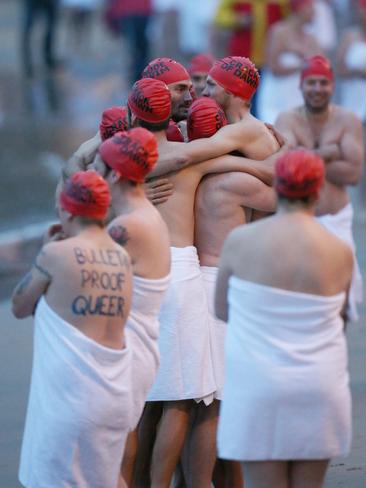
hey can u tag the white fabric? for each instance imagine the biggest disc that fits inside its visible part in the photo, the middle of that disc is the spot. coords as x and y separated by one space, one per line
353 89
277 94
340 224
142 332
218 329
286 391
186 369
79 408
323 26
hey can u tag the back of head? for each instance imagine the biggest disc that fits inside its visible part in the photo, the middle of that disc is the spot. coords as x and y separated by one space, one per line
114 119
237 75
150 101
132 154
166 70
86 194
201 63
173 132
299 175
205 118
317 66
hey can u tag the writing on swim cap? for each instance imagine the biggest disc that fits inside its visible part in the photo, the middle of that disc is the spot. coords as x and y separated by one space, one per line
86 194
131 154
238 75
317 66
299 174
150 100
114 119
205 118
167 70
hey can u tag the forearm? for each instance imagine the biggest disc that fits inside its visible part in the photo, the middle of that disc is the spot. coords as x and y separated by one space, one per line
168 163
339 173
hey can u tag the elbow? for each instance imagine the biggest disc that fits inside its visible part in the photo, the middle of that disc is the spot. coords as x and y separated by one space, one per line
221 314
20 311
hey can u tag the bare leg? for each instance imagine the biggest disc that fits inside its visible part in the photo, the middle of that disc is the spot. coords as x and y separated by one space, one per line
146 438
169 442
129 457
265 474
203 445
308 474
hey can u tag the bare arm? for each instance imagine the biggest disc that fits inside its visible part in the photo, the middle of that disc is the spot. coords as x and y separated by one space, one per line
348 169
31 287
222 282
83 156
179 155
254 193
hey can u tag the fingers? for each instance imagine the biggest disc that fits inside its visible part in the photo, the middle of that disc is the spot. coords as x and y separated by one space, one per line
163 183
157 201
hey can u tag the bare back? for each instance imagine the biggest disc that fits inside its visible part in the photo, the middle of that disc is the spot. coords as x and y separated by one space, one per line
342 130
292 252
225 201
144 235
91 285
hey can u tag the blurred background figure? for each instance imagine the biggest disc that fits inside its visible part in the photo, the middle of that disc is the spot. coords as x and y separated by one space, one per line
198 69
165 28
288 45
352 68
131 18
80 14
33 10
323 26
246 23
195 26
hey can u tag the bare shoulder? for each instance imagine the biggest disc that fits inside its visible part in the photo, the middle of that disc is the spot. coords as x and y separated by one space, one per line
289 117
346 117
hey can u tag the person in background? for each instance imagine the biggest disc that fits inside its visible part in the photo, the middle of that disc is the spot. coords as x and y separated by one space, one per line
32 10
288 45
198 69
248 22
281 286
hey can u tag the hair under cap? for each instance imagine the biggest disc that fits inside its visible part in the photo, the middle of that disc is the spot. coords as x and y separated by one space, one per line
299 174
132 154
150 100
114 119
237 75
166 70
205 118
86 194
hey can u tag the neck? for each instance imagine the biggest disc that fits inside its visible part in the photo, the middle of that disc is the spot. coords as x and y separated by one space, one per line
125 197
76 229
297 22
237 113
286 207
318 116
160 135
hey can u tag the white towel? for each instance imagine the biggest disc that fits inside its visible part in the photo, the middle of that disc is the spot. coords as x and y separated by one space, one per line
340 224
286 391
186 370
79 408
218 329
142 332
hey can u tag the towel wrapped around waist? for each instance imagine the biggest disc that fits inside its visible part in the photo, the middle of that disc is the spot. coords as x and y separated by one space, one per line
79 408
286 391
218 328
186 370
340 224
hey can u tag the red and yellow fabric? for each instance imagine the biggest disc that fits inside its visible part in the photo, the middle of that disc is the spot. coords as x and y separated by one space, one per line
250 41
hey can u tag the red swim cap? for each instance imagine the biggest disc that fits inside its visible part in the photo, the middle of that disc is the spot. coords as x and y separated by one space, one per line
173 132
166 70
237 75
202 63
317 66
86 194
298 5
205 118
114 119
131 154
299 174
150 100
